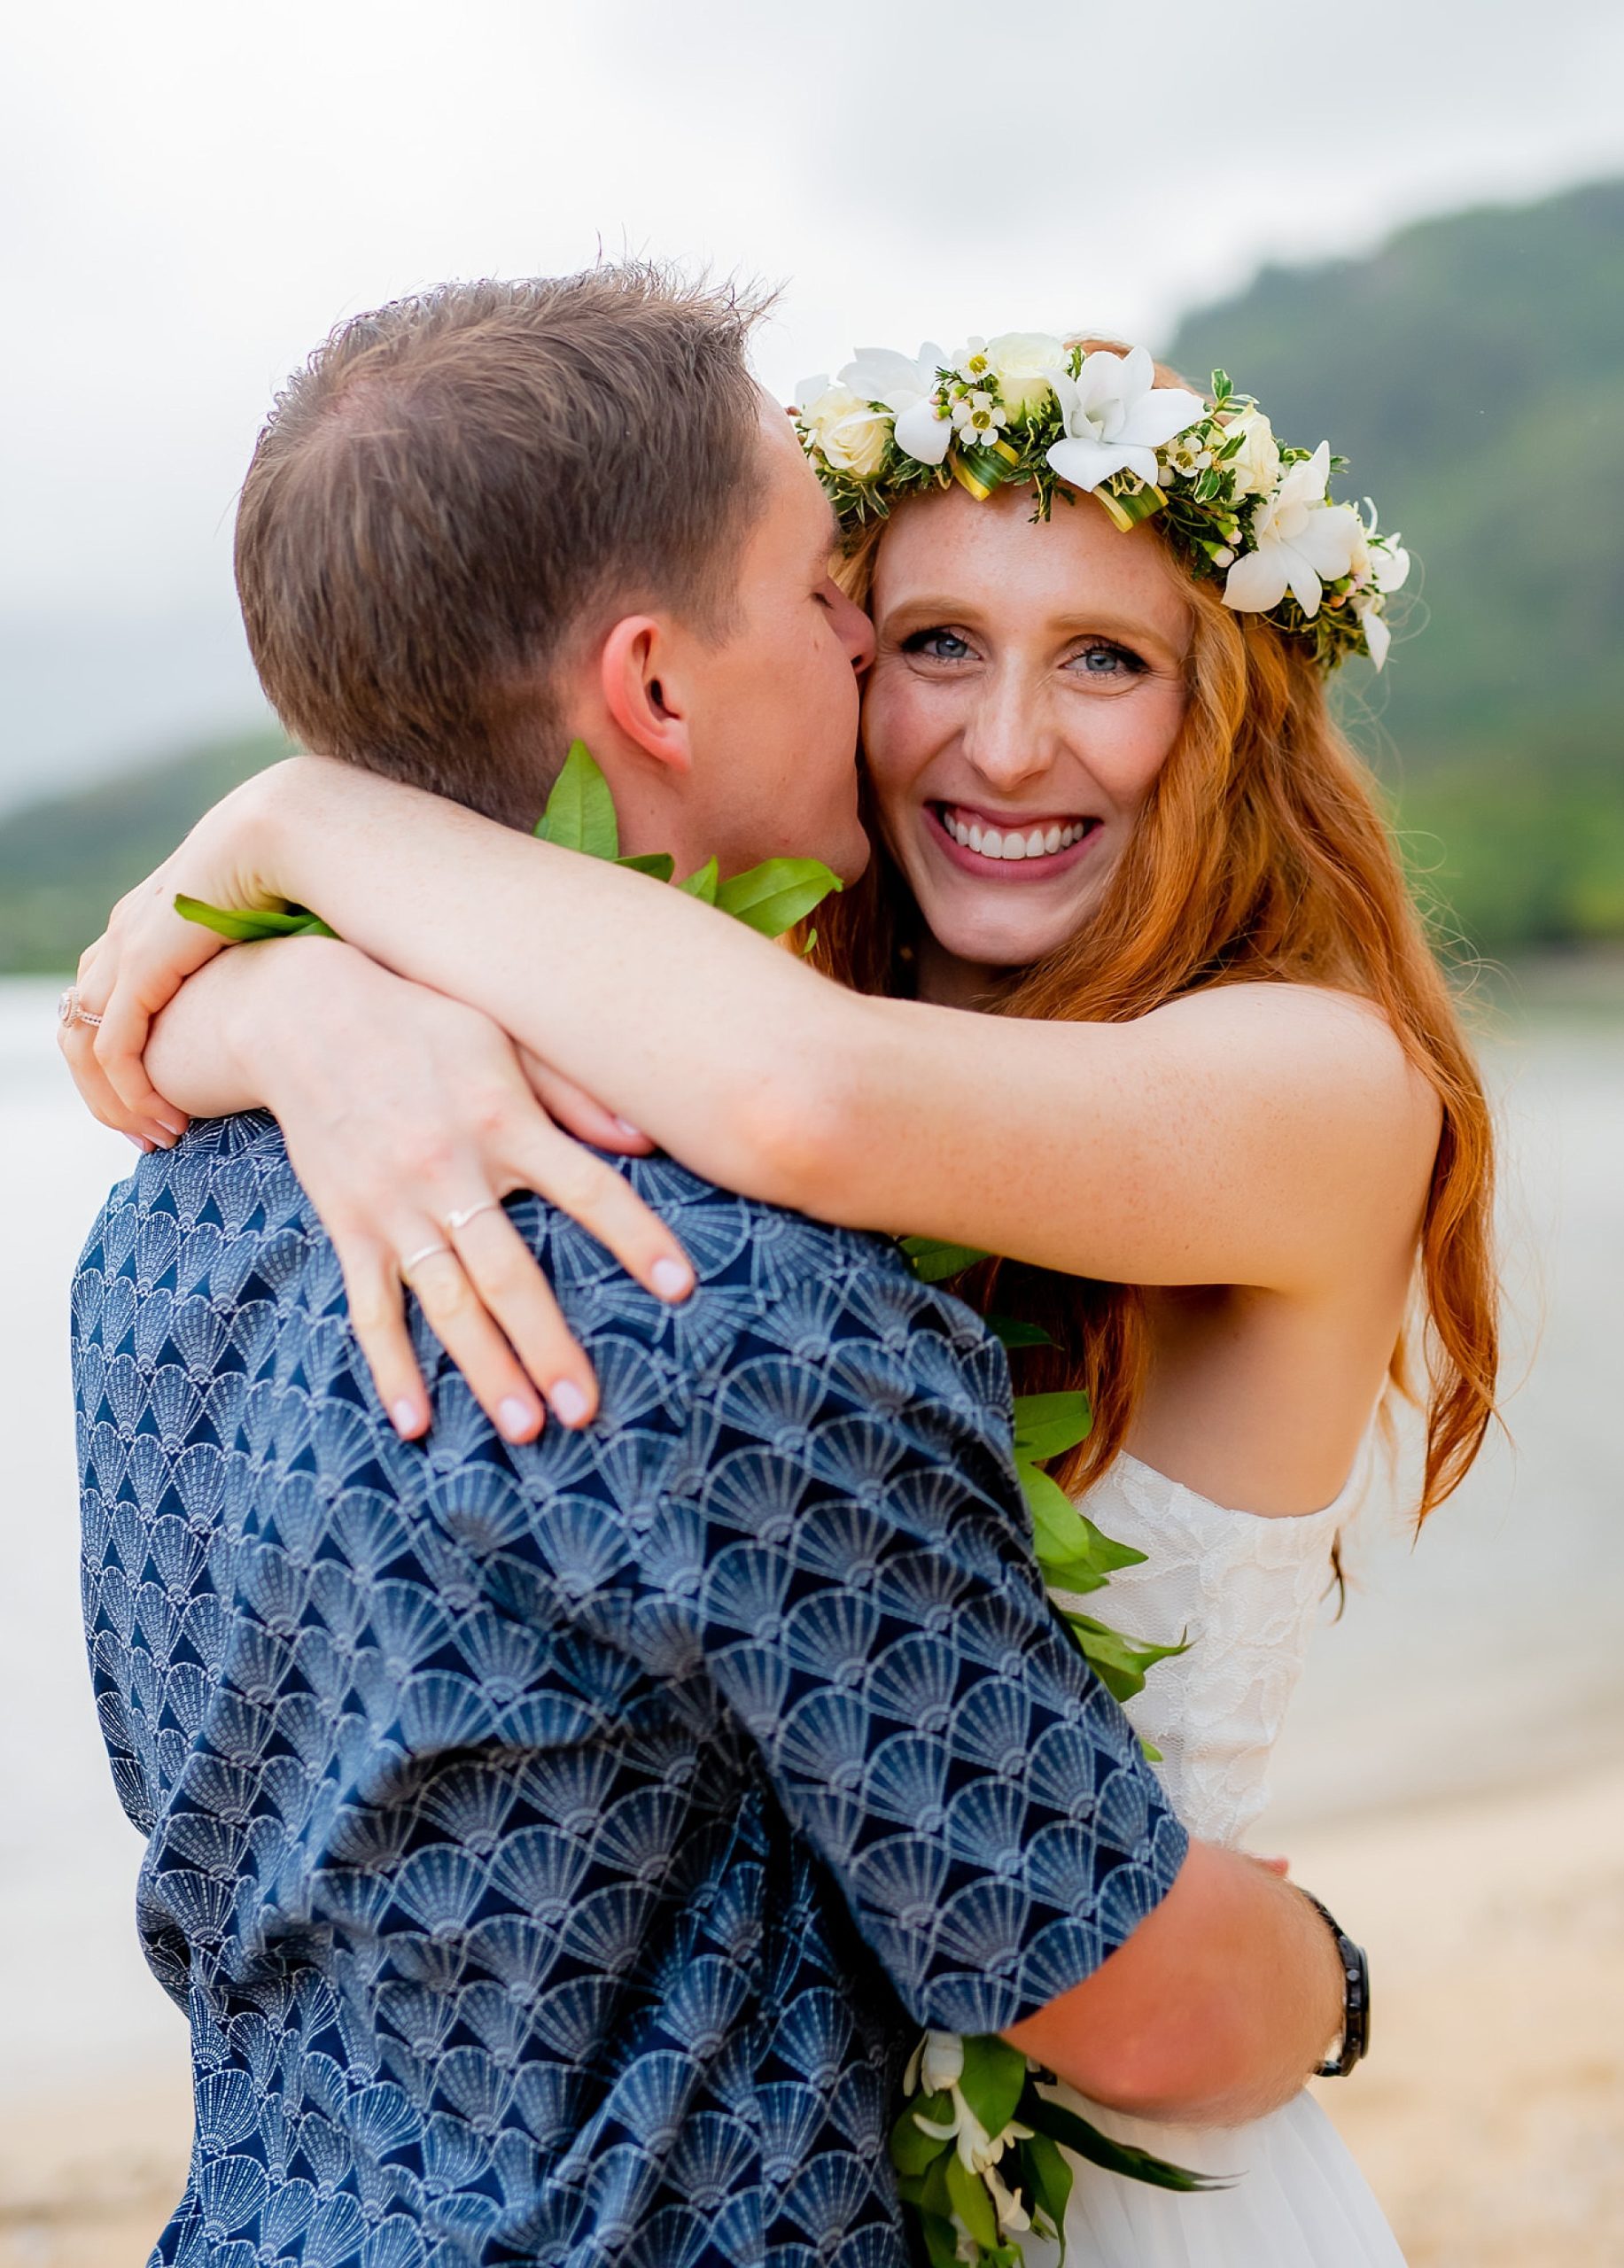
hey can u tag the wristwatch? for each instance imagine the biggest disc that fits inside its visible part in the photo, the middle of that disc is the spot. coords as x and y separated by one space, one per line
1355 1996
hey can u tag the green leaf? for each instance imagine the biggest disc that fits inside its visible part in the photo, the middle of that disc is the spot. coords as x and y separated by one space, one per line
935 1261
941 2240
1121 1663
580 811
774 896
934 2195
251 929
1064 1535
660 863
1012 1332
701 884
810 946
992 2082
1047 1425
1049 2172
971 2203
912 2151
1064 2126
1150 1752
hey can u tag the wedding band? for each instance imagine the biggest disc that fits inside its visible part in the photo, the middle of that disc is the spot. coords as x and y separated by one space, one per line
69 1011
416 1259
467 1213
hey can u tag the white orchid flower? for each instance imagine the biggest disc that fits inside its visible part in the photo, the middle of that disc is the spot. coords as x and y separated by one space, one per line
942 2054
1013 2219
1390 564
908 390
1377 637
1299 542
1116 417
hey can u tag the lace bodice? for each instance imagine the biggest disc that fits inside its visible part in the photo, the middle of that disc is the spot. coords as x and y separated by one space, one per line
1246 1589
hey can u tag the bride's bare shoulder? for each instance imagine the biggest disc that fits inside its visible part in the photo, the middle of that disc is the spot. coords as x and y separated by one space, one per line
1313 1043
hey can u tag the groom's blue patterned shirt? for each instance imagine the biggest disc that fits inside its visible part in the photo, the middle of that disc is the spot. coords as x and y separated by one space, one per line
555 1848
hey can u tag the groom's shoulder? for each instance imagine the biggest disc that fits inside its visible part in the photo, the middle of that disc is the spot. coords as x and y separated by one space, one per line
228 1191
762 1270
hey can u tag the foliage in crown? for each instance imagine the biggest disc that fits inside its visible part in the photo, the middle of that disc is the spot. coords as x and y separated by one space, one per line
1238 507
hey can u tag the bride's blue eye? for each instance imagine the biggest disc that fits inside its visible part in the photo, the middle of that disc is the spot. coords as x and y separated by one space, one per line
940 645
1107 661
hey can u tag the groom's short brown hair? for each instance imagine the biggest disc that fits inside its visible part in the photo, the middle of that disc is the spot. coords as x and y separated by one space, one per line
456 483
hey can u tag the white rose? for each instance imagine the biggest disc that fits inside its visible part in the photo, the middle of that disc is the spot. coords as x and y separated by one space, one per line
849 434
1256 465
1020 363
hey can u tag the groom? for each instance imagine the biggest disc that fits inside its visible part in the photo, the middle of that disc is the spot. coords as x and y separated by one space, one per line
557 1847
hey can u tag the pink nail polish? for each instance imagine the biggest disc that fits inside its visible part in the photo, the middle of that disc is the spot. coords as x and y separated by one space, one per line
406 1415
672 1280
516 1418
569 1401
632 1133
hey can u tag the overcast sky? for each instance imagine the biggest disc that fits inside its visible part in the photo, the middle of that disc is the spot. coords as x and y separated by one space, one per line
195 190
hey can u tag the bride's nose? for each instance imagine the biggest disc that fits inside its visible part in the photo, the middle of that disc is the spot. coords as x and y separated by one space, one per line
1009 737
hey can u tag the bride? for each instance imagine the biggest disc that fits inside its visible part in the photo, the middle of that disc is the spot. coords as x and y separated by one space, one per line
1133 994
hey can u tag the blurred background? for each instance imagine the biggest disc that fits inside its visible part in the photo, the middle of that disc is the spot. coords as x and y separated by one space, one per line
1402 227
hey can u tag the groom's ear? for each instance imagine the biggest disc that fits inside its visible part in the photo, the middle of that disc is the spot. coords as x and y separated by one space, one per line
640 676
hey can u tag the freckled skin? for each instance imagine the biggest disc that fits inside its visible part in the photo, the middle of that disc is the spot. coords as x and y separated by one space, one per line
1023 674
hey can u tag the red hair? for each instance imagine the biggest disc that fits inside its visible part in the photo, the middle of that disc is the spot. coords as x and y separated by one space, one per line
1262 855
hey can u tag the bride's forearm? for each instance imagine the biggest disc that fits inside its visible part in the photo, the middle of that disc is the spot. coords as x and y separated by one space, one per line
690 1026
193 1054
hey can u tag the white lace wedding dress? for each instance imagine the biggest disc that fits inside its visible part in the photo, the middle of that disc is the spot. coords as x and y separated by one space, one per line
1247 1590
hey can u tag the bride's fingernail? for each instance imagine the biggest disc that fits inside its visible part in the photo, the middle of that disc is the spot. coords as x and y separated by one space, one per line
406 1415
140 1141
671 1279
176 1131
632 1133
516 1418
569 1401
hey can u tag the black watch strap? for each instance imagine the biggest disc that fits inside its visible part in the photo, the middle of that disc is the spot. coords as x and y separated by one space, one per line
1355 1997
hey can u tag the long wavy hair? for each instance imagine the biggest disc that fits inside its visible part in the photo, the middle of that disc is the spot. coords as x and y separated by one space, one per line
1262 855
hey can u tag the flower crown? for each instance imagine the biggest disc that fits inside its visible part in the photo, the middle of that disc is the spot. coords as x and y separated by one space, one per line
1239 506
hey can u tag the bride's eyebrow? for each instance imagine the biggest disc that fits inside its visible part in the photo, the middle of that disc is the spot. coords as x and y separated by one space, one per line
933 608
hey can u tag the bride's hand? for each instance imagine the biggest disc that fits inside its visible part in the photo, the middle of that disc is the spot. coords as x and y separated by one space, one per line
138 964
408 1117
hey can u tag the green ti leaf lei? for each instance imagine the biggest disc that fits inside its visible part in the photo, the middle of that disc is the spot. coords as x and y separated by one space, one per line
978 2156
978 2153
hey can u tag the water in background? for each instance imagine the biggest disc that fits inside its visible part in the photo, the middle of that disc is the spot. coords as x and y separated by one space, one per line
1487 1652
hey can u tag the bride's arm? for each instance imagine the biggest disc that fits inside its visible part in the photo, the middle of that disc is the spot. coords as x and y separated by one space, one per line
1258 1135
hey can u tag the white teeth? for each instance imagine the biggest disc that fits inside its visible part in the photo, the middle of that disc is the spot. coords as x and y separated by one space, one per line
993 842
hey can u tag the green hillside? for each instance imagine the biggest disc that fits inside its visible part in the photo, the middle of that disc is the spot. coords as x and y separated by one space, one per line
1472 371
62 863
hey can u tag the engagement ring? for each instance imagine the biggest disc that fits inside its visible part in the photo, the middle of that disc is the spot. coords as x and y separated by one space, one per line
69 1011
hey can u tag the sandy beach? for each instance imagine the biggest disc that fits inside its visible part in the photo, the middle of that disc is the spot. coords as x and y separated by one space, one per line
1489 2118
